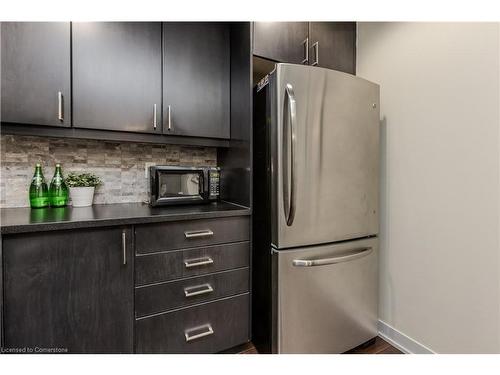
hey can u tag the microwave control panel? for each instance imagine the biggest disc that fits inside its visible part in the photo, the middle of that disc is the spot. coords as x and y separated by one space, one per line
213 183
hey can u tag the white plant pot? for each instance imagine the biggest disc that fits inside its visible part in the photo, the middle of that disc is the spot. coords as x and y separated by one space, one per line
82 196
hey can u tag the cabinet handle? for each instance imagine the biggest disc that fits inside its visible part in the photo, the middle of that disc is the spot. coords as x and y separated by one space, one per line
190 337
315 46
305 44
124 248
199 233
169 115
60 110
154 116
198 262
196 291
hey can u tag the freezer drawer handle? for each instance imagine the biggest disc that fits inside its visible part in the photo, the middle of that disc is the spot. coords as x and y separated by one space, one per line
198 290
190 337
198 262
358 253
199 233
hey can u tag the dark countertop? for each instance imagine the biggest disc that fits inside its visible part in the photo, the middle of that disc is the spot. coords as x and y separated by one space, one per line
23 220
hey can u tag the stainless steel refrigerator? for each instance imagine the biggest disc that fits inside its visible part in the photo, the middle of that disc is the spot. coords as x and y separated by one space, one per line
315 211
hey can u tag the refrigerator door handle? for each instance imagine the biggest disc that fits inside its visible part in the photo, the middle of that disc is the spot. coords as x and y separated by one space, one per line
290 114
358 253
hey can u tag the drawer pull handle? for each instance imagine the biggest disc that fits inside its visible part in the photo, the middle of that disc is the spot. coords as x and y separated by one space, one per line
199 233
190 337
198 262
196 291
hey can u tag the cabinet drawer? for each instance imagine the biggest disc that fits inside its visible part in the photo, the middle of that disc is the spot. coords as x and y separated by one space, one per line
152 268
207 328
175 294
184 234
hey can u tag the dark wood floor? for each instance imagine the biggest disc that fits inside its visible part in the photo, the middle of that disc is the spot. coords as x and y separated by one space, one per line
379 346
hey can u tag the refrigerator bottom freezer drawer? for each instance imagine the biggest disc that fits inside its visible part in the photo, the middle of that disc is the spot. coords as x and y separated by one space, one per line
326 297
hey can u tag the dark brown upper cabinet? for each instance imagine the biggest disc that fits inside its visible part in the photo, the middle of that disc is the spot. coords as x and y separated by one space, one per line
196 79
326 44
36 69
333 45
281 41
117 74
69 289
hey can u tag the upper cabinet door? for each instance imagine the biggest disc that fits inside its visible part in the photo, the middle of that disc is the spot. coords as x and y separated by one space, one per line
281 41
36 58
333 45
117 76
196 79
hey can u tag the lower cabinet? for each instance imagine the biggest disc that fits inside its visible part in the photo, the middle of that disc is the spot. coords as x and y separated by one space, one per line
192 297
206 328
69 291
170 265
90 291
185 292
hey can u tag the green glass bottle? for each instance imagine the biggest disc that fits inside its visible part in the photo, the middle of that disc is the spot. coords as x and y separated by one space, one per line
58 191
39 193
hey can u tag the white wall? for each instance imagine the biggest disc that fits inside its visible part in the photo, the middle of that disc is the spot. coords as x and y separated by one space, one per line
440 206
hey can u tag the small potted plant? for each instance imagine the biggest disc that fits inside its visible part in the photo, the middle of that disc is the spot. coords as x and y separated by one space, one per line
82 187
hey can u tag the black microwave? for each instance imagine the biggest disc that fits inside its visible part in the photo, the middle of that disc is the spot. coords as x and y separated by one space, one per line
183 185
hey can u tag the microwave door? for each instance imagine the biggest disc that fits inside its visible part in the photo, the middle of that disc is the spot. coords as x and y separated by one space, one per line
174 186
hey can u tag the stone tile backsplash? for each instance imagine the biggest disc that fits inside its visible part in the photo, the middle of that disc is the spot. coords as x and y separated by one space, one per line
120 165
